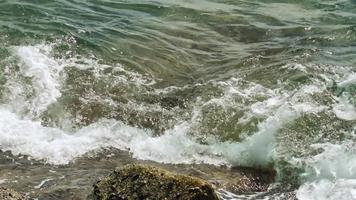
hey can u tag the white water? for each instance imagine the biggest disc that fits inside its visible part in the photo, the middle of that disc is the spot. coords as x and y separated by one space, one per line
339 189
332 173
55 146
345 110
349 81
42 183
27 136
329 175
44 71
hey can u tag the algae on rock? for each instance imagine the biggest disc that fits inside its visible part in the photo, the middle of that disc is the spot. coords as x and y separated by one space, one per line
9 194
146 182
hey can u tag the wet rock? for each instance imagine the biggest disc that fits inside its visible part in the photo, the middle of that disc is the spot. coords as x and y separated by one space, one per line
146 182
171 102
9 194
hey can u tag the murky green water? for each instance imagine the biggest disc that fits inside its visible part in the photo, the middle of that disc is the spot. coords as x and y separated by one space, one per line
87 85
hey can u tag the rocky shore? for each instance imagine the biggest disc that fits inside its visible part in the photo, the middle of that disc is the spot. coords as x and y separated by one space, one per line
147 182
117 178
9 194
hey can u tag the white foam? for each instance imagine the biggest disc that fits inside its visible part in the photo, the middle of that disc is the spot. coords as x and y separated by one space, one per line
38 63
177 146
265 107
259 149
23 136
2 181
340 189
330 174
55 146
336 161
296 66
44 71
350 80
42 183
344 109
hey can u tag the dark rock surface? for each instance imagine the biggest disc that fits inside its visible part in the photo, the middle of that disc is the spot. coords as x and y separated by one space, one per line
146 182
9 194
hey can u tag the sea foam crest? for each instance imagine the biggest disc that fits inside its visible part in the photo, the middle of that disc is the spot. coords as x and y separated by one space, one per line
330 174
37 64
176 145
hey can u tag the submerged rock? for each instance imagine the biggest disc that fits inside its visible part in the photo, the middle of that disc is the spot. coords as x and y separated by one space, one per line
9 194
146 182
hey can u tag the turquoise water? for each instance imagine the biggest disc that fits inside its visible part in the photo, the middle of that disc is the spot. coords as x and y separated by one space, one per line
261 84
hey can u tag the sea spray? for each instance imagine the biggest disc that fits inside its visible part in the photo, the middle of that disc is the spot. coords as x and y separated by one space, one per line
44 71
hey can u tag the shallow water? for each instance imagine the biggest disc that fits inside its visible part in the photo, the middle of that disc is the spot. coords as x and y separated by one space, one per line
262 84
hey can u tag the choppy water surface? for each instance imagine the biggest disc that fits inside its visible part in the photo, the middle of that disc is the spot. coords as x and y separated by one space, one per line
261 83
